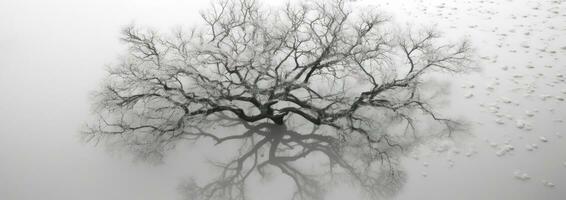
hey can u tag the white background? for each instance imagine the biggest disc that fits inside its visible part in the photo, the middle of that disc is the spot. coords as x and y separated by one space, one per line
53 53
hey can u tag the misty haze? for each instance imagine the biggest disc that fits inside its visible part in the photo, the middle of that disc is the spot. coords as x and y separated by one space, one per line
302 99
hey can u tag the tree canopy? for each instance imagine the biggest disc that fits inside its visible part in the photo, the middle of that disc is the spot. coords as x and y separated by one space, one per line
302 81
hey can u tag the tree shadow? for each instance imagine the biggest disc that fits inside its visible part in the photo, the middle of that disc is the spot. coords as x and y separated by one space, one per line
313 158
308 83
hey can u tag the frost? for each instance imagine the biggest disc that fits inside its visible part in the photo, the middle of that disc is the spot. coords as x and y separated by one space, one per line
547 183
499 121
520 124
529 113
493 144
506 100
523 176
529 147
504 150
543 139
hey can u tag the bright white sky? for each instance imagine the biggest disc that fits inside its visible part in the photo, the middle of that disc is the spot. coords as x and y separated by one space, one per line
53 53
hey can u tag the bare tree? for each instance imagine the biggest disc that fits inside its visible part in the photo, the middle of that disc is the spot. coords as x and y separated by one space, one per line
303 82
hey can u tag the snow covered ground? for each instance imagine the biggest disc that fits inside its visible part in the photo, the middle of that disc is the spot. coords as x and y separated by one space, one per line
52 53
517 103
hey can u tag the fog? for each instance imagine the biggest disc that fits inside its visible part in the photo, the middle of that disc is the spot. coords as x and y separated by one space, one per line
53 56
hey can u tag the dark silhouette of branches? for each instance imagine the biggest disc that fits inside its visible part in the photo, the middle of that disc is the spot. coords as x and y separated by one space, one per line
307 80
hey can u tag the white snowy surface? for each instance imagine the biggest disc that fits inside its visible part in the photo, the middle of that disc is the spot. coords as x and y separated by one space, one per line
52 55
518 101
